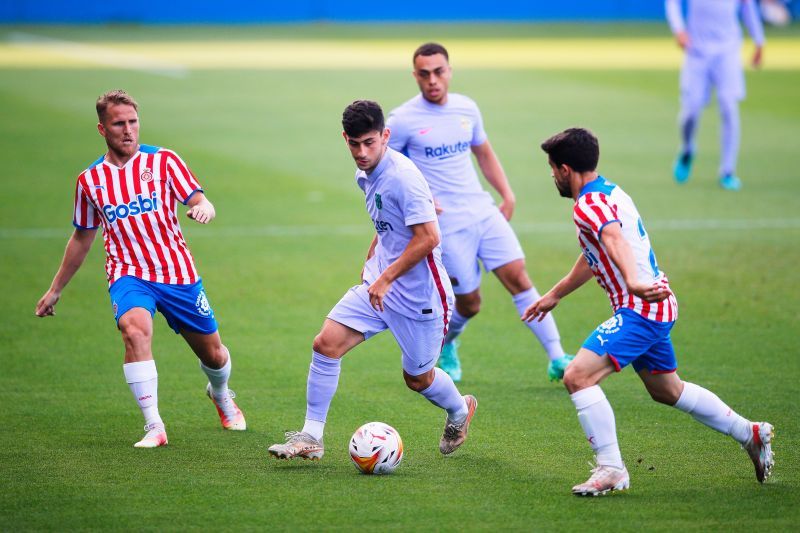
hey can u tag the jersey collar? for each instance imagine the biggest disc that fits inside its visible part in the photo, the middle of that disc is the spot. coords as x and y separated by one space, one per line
599 184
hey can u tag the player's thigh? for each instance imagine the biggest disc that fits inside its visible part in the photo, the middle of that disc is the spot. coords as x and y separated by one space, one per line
587 369
695 83
460 259
499 244
420 341
186 307
351 321
727 75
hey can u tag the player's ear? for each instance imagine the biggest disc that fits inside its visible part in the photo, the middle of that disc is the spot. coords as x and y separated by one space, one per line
100 129
386 134
345 136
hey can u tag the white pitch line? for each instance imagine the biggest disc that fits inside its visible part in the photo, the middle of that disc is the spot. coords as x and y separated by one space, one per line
319 230
100 55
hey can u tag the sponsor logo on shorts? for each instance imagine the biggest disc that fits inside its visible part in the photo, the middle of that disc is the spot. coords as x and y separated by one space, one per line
610 326
203 307
602 340
114 307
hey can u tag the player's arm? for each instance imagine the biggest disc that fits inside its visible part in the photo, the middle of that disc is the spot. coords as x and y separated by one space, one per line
496 176
752 20
621 254
580 274
676 22
78 247
200 209
424 239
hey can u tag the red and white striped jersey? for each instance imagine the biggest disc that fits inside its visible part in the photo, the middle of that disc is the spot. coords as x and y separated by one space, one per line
136 205
601 203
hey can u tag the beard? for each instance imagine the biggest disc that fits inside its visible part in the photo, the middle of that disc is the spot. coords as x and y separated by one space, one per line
563 189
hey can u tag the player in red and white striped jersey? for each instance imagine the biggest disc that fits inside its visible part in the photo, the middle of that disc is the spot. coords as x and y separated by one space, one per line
616 251
132 192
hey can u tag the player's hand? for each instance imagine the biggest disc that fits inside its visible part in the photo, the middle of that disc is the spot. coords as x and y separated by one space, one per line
437 206
682 38
758 57
650 293
46 306
540 308
203 212
507 206
377 291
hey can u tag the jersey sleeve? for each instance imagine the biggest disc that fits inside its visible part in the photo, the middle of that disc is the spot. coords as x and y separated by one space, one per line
593 212
398 138
415 199
478 133
182 180
85 215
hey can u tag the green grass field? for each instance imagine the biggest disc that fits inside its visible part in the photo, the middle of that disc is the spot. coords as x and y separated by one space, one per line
264 139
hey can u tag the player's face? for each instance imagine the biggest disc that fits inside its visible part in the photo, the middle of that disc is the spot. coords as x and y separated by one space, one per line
561 179
120 127
433 77
368 149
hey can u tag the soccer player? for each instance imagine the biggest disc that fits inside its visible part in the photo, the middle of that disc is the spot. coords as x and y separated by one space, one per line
439 131
712 39
616 251
132 192
405 290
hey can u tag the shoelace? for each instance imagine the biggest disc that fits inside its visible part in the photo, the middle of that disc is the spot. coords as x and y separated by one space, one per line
150 427
451 430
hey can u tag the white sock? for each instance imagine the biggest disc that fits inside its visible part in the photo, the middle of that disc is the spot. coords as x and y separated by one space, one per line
546 330
707 408
443 393
142 379
597 420
218 377
315 428
456 326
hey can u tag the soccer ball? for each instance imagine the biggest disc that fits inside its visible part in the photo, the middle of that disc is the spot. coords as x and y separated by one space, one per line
376 448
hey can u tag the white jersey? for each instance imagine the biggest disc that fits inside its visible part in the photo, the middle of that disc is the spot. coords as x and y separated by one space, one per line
398 197
438 139
601 203
713 25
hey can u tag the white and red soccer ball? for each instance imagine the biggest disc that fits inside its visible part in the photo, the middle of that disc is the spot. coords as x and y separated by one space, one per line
376 448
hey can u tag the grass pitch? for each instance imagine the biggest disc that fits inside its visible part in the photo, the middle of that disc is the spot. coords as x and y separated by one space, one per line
262 133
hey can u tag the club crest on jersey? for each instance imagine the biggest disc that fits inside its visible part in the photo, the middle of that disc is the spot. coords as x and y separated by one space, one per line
378 202
612 325
203 307
466 124
146 175
137 206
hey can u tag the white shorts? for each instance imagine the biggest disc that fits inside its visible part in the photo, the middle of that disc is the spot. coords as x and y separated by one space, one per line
420 341
700 73
491 240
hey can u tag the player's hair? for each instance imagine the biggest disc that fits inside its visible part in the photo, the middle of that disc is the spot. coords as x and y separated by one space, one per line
576 147
362 117
430 49
115 97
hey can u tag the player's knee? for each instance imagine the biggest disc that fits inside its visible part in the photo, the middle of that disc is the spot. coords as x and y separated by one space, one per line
667 396
135 335
575 379
469 307
323 345
418 383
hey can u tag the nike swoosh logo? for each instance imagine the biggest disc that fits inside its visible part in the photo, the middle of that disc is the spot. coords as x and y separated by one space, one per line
424 131
425 364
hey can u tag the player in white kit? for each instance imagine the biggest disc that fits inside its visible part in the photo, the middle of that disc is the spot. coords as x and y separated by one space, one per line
616 251
712 39
405 289
132 192
439 131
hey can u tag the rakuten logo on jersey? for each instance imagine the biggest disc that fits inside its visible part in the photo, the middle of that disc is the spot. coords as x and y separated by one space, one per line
139 206
446 150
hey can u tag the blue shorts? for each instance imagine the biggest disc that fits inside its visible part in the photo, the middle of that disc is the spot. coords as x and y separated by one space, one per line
184 306
628 337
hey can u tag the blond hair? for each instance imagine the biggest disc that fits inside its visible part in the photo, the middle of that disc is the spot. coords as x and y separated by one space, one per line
115 97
